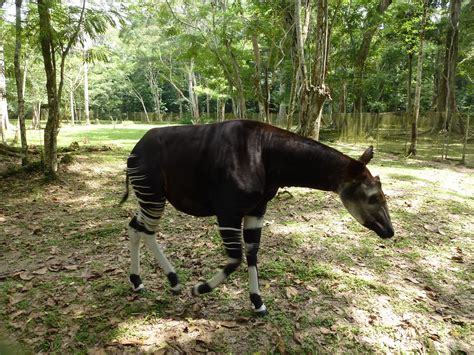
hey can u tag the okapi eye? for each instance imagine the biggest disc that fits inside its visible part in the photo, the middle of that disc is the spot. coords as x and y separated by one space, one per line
372 200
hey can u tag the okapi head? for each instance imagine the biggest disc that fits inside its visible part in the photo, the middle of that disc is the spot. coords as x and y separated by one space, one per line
362 195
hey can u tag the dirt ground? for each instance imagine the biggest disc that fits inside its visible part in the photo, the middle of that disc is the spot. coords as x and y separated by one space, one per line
329 284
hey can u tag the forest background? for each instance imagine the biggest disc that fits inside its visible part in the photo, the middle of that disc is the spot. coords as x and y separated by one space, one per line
361 69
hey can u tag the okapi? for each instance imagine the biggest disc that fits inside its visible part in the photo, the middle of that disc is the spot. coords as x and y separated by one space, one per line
231 170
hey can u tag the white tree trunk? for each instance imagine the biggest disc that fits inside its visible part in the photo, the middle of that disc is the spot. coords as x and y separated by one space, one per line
4 121
86 93
71 105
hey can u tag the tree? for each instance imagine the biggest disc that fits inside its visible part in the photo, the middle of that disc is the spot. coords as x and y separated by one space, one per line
58 41
374 18
313 90
446 95
419 70
4 122
20 84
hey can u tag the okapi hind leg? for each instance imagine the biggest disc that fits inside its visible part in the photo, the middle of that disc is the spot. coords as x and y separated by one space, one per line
252 234
231 233
144 225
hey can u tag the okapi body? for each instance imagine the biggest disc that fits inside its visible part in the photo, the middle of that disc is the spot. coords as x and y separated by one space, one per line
231 170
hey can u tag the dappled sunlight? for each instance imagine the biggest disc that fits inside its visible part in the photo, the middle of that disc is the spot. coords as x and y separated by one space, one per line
155 333
399 295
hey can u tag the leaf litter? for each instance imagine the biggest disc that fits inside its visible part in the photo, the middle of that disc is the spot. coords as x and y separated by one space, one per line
65 286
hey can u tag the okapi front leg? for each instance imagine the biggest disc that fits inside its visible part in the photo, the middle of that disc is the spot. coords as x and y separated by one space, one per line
252 234
232 237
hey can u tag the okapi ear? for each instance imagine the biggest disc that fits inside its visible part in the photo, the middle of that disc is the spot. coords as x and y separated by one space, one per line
356 169
367 156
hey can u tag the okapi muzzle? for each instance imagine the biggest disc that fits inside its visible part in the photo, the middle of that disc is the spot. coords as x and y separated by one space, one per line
363 197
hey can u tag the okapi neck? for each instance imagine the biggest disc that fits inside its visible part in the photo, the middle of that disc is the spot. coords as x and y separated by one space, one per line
303 162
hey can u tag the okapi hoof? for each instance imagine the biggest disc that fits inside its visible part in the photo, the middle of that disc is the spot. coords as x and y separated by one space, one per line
262 311
174 283
137 284
200 289
176 290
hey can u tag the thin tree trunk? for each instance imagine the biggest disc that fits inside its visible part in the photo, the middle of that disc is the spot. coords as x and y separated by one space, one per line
410 70
466 136
282 105
52 125
86 92
71 106
193 99
419 70
4 121
373 23
19 78
257 78
446 96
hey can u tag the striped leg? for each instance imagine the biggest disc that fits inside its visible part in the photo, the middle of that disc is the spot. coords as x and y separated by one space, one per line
231 234
252 234
143 226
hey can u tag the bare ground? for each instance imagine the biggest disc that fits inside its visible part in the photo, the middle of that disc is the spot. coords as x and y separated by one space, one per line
330 285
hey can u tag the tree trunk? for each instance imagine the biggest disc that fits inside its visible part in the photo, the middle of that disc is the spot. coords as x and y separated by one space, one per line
71 106
466 136
282 105
52 125
410 74
86 92
20 85
4 121
240 111
314 91
419 70
446 96
257 79
373 22
35 121
192 97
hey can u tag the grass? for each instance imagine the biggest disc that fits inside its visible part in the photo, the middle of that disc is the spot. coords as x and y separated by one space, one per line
330 285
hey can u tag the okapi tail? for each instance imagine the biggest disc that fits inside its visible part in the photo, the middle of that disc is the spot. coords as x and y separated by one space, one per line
125 195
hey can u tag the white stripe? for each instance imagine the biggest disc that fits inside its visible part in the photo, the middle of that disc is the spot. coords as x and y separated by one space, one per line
227 243
230 229
250 246
261 309
151 202
140 186
251 222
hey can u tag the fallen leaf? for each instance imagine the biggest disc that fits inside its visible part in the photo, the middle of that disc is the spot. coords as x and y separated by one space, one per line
26 276
297 338
281 345
291 292
325 330
71 267
229 325
55 267
41 271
